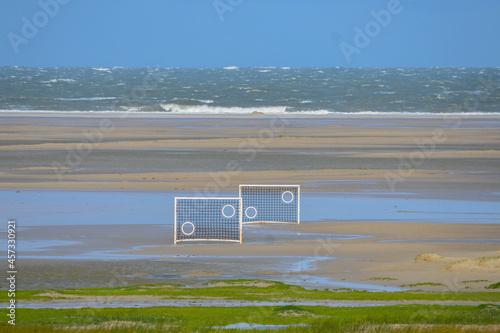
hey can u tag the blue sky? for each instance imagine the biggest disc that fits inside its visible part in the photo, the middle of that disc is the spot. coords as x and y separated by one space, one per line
249 33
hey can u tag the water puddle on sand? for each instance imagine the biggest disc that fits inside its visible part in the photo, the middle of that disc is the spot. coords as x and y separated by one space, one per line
317 282
87 207
479 241
395 207
105 207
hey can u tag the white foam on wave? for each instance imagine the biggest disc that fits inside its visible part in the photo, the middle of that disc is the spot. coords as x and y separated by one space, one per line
266 110
87 99
102 69
207 109
60 80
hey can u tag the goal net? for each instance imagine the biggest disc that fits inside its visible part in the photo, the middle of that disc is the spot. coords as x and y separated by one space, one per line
207 219
270 203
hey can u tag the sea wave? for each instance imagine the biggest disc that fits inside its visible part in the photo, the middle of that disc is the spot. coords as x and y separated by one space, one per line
190 101
86 99
195 110
59 80
101 69
208 109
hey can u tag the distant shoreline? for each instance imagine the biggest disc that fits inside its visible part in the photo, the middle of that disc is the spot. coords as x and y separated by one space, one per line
288 115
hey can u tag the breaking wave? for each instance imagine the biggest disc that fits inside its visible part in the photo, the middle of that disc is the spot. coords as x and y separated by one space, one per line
208 109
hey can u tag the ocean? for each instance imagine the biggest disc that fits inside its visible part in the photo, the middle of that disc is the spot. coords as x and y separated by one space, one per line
270 90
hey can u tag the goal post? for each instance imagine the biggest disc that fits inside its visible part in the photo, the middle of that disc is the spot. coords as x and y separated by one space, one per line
207 219
270 203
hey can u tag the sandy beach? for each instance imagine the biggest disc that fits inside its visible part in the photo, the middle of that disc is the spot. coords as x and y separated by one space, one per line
434 159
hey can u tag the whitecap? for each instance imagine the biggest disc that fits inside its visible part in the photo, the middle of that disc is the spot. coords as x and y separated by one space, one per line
101 69
206 109
86 99
59 80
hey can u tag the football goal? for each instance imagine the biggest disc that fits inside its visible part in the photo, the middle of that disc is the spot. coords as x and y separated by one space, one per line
270 203
207 219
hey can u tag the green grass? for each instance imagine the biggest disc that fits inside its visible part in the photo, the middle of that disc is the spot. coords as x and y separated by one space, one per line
201 319
319 318
494 286
245 290
431 284
382 279
475 281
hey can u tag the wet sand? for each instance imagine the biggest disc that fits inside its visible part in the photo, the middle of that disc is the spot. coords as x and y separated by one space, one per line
359 255
170 153
399 158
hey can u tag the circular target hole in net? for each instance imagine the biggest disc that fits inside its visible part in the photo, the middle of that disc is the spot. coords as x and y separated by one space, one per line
187 228
251 212
287 197
228 211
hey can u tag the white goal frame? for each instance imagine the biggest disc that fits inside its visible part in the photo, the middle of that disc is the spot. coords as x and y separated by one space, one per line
185 236
249 212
